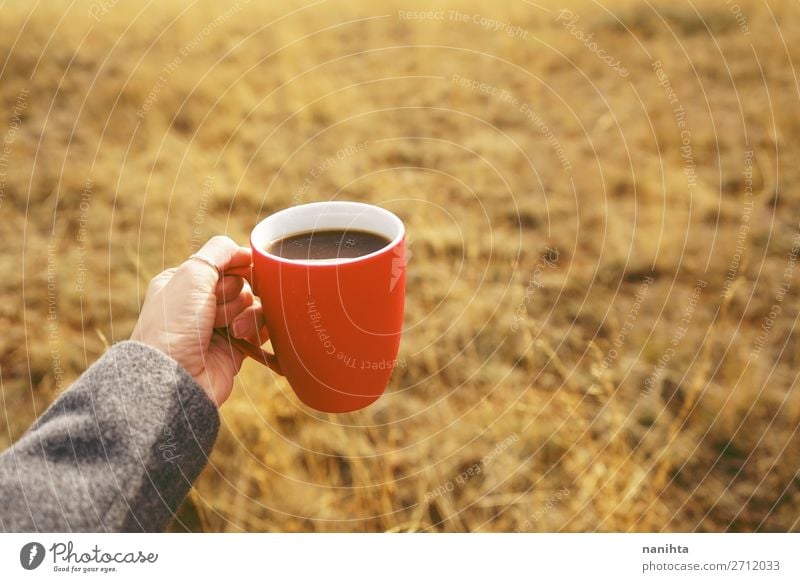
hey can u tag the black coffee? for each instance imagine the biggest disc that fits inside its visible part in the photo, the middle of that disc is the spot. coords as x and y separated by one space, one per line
328 244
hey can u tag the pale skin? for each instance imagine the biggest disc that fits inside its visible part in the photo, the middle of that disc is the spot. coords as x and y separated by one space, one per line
183 305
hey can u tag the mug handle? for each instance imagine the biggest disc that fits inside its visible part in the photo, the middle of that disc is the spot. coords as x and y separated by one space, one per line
256 352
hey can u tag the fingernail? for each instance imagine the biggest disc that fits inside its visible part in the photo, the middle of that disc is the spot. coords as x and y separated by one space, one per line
240 328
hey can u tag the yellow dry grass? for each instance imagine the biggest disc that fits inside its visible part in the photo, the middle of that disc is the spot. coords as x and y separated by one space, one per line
536 391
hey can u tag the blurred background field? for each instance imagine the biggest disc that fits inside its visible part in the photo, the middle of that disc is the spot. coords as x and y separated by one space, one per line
601 327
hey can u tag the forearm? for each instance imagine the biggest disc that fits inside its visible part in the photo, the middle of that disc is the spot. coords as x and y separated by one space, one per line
118 451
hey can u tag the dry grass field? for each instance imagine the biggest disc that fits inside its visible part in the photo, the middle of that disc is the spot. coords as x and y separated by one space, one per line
602 317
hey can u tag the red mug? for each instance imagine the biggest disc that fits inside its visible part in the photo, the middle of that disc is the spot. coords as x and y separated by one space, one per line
334 324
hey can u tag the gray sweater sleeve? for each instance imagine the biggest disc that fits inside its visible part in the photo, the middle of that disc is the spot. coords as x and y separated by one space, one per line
117 451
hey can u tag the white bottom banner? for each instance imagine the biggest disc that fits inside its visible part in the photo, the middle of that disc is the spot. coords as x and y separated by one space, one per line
379 557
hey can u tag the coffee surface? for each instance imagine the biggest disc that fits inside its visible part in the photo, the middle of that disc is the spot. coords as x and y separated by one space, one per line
328 244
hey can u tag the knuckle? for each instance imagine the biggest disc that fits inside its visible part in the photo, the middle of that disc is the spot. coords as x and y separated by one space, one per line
191 274
159 280
221 240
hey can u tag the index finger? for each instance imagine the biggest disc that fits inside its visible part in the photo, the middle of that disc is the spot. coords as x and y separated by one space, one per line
228 256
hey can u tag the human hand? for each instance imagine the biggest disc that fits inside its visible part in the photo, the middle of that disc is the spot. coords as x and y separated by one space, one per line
183 305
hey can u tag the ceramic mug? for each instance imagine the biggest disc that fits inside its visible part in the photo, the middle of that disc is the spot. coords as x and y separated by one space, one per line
334 324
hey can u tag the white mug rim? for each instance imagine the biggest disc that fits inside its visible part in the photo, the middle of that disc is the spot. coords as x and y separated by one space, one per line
260 245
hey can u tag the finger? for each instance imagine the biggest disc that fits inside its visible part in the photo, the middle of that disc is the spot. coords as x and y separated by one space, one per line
228 288
220 251
227 312
158 282
249 325
225 253
259 338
